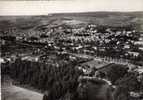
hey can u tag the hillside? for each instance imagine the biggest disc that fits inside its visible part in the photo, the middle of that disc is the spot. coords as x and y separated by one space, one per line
99 18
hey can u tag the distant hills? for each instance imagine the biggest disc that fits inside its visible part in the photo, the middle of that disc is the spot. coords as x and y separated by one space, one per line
99 18
99 14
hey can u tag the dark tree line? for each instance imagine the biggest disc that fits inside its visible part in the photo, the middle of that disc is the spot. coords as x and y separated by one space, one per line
59 80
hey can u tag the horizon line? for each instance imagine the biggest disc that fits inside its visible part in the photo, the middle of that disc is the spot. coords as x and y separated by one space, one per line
74 12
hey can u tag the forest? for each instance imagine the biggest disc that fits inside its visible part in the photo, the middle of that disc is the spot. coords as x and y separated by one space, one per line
64 79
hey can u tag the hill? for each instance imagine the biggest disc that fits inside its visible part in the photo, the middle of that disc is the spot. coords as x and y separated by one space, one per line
99 18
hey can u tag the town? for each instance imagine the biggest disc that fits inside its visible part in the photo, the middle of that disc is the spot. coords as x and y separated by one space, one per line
116 43
58 57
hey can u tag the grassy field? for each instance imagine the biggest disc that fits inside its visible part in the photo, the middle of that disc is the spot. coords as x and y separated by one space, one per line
17 93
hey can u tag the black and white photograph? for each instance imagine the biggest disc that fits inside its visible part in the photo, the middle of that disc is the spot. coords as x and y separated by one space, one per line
71 49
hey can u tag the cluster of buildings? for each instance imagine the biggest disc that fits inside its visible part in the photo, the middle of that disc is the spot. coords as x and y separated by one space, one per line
87 39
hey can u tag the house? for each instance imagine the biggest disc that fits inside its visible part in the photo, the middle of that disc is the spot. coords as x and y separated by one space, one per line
19 38
95 48
2 60
141 48
126 46
30 58
133 53
139 43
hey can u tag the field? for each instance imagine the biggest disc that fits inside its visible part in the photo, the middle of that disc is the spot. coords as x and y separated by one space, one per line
18 93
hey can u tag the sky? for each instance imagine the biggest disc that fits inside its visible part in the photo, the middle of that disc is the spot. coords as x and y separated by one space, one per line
63 6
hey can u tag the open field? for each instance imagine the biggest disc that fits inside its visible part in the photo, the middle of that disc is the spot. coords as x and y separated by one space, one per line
18 93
